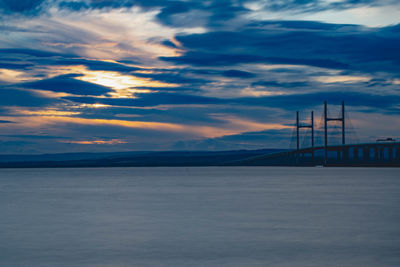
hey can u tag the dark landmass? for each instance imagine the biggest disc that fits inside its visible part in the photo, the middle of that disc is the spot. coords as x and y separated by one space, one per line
261 157
135 159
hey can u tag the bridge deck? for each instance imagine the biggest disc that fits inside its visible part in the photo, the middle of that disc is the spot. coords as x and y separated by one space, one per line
367 154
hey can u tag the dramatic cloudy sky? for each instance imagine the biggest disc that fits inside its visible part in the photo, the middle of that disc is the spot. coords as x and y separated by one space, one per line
103 75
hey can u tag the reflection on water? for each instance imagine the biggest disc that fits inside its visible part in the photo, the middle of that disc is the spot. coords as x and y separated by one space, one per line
240 216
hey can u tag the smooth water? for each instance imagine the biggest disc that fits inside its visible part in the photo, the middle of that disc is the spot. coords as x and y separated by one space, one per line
217 216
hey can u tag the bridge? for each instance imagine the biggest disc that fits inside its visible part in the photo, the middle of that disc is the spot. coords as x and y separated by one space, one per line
383 153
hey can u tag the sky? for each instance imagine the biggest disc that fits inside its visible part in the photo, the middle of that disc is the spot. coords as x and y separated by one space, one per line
150 75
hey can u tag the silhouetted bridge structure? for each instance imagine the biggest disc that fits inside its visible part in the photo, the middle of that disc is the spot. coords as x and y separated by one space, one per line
384 153
373 154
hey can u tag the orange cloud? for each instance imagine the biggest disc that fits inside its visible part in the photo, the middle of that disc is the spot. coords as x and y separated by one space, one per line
97 142
228 126
46 112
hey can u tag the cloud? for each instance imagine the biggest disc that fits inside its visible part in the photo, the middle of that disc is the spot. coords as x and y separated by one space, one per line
301 101
248 140
326 46
190 88
67 84
280 84
212 59
14 97
13 66
149 99
93 64
30 136
73 5
172 12
174 78
50 58
27 7
302 25
321 5
194 13
234 73
287 101
32 52
238 74
221 68
97 142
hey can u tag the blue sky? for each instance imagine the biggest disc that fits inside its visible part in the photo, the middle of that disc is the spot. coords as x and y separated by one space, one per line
106 75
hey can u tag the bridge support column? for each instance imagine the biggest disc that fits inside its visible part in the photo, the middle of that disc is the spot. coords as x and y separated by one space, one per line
366 153
398 153
345 154
355 153
338 154
390 153
382 154
376 154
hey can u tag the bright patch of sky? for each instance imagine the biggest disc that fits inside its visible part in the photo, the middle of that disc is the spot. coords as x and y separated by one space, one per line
371 16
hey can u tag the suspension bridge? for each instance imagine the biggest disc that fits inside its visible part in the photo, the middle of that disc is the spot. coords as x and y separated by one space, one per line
382 152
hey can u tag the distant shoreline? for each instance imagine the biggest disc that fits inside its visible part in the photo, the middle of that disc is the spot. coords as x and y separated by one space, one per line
232 158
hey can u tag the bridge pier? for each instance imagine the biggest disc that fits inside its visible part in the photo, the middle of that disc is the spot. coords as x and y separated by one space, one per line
374 154
345 154
390 153
355 153
398 153
382 154
366 153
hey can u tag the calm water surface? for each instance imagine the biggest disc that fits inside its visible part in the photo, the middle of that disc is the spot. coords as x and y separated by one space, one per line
240 216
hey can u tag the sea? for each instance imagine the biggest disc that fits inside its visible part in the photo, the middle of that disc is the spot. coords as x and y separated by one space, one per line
200 216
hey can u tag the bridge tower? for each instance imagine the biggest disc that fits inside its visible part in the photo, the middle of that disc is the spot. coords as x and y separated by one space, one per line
298 127
326 120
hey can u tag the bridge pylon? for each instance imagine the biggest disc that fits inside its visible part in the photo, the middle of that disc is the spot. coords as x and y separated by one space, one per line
326 120
298 127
